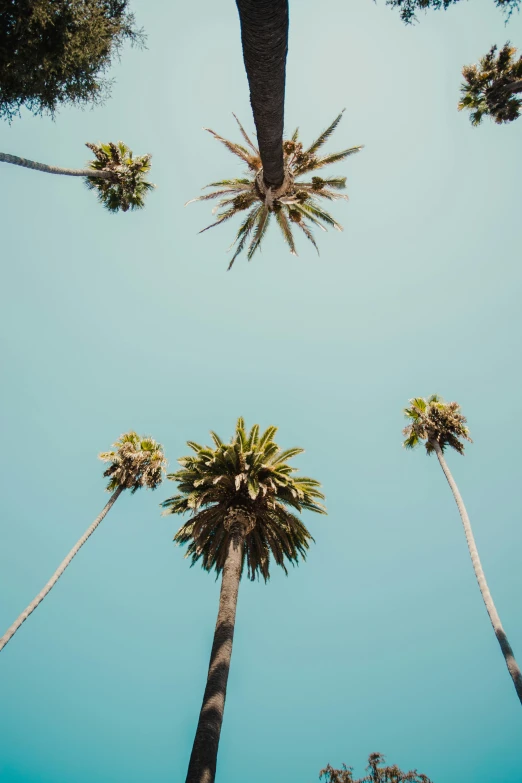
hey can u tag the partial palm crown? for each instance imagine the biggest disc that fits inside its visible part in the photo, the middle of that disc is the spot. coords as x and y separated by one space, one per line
489 87
250 474
135 462
435 421
295 202
127 187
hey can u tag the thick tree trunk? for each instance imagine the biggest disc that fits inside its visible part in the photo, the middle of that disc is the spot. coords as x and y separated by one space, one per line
264 35
57 574
31 164
203 760
507 652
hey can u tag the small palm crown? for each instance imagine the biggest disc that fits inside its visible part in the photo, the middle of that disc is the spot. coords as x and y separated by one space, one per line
127 187
486 87
294 203
249 477
135 462
435 421
376 773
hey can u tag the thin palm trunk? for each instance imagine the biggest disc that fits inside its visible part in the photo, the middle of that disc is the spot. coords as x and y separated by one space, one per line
57 574
31 164
513 87
507 652
264 36
203 760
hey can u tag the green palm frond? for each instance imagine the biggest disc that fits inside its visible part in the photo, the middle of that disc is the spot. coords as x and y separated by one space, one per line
296 202
435 421
127 187
249 473
136 461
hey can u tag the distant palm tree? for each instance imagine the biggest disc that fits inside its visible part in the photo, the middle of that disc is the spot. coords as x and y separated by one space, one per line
376 773
442 424
136 462
491 87
117 177
240 496
264 36
294 203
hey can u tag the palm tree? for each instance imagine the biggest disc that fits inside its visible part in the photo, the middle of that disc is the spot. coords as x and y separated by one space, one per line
117 177
264 37
490 88
376 773
240 496
296 202
135 462
442 424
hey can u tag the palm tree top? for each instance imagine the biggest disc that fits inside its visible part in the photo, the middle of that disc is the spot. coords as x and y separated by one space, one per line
435 421
136 461
127 186
376 773
249 474
295 203
489 87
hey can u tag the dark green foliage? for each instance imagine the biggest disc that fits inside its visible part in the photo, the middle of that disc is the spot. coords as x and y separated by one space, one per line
435 421
408 8
251 474
55 52
127 187
376 773
490 88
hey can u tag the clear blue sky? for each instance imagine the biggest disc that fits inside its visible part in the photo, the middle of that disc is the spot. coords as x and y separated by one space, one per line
380 641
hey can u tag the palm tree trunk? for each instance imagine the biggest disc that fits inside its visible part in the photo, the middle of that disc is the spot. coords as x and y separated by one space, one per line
203 760
507 652
264 36
513 87
31 164
57 574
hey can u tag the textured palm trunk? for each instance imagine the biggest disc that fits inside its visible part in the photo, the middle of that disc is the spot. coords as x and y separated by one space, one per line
203 760
57 574
513 87
31 164
264 36
507 652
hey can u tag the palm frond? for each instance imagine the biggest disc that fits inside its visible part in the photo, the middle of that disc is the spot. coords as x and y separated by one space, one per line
284 225
325 135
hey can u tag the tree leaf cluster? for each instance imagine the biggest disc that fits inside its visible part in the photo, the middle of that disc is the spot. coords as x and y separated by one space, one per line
435 421
57 52
376 773
136 461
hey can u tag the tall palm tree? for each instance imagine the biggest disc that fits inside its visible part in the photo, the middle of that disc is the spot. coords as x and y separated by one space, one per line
134 462
490 88
295 203
117 177
376 773
240 497
442 424
264 37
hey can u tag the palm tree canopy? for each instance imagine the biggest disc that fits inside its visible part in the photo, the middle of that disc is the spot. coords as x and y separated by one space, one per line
376 773
435 421
489 87
136 461
295 203
250 474
127 186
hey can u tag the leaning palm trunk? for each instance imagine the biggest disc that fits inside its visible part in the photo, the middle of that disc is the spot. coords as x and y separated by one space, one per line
507 652
57 574
31 164
264 36
203 759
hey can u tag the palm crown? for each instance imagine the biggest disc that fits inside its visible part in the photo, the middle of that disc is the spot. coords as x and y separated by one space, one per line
252 475
294 203
435 421
486 90
135 462
127 187
376 773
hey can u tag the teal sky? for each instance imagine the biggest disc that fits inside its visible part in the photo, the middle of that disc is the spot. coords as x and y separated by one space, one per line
380 641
